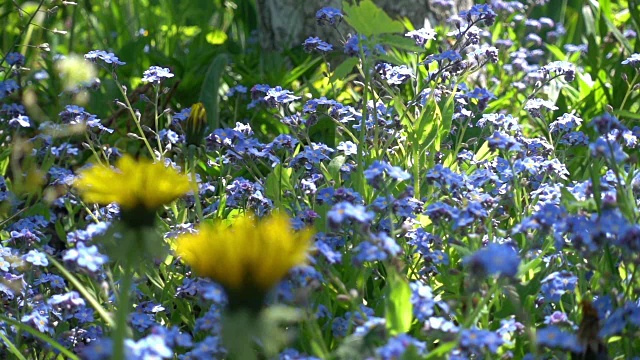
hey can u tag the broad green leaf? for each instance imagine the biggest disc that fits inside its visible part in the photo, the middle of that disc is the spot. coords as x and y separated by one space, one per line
297 72
446 116
484 152
627 114
277 182
390 58
344 69
428 126
429 133
618 35
556 51
529 266
398 307
368 19
335 165
607 15
401 42
589 22
209 92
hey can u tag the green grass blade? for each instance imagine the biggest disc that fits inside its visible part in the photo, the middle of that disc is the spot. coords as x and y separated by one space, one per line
12 348
104 314
43 337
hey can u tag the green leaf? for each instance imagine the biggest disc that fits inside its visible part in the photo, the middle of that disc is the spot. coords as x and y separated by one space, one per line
442 350
446 110
589 22
104 314
594 169
398 307
209 91
556 51
344 69
483 153
296 73
627 114
335 165
368 19
40 336
424 125
605 14
277 182
12 348
526 267
401 42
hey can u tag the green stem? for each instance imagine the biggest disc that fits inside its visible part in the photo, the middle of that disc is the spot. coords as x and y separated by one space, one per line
155 107
134 117
626 96
361 146
120 333
91 148
485 300
196 192
415 145
93 301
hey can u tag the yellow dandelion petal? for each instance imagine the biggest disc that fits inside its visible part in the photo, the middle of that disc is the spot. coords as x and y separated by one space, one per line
132 184
96 185
225 266
282 249
249 256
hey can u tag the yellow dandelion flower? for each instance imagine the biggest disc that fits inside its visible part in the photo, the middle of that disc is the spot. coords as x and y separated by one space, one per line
135 185
247 258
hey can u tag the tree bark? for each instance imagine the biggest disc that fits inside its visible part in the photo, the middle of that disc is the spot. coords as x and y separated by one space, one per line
287 23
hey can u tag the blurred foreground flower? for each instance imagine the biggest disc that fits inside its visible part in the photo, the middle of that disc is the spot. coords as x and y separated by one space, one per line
75 72
247 258
495 259
140 187
590 344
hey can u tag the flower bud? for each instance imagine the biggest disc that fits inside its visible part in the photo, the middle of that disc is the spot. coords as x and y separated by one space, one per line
196 124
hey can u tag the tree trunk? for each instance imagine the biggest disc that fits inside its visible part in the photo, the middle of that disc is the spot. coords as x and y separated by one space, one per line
287 23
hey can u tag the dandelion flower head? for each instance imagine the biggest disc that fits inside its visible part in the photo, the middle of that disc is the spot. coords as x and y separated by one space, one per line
132 184
250 256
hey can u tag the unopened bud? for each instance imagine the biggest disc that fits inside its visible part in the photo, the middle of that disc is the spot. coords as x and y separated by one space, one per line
196 125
